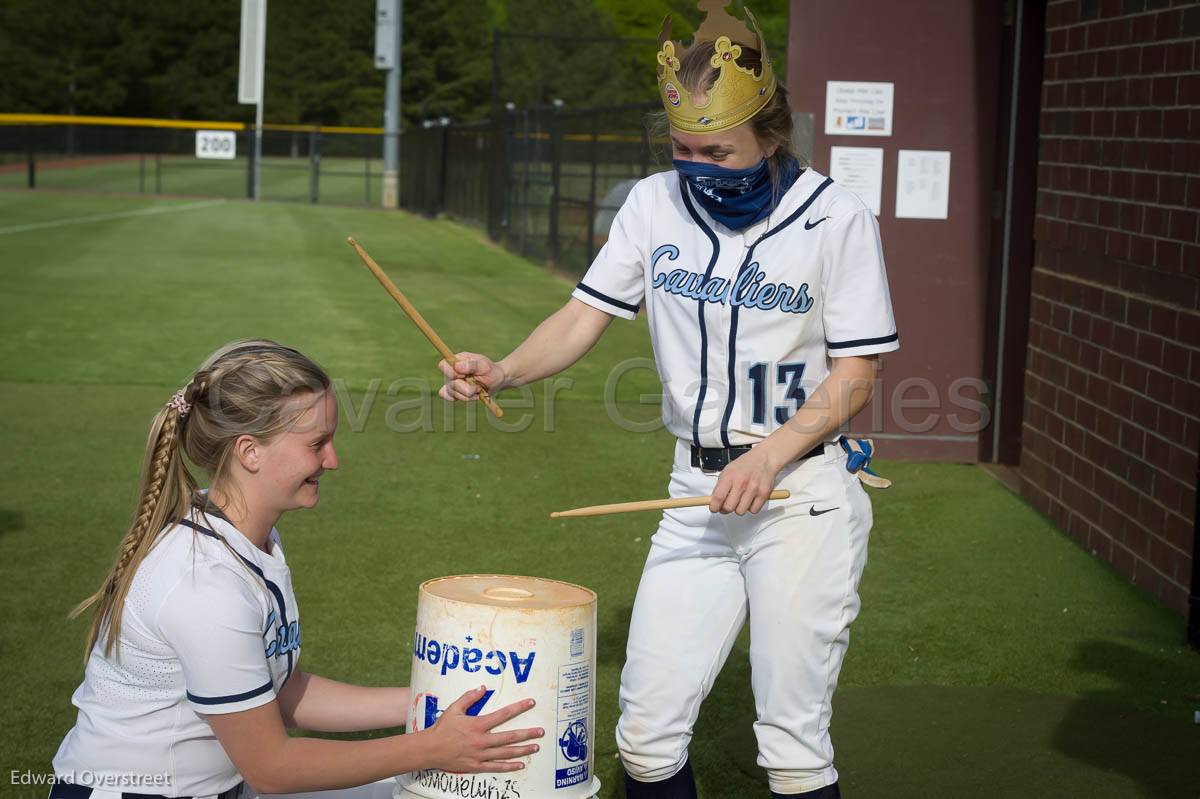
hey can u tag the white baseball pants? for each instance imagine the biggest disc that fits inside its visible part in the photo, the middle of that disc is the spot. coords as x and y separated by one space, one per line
794 568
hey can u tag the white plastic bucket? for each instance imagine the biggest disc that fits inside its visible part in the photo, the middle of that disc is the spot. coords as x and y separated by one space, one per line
520 637
383 789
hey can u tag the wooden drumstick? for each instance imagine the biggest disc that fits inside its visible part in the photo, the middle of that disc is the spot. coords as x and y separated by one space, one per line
650 504
422 325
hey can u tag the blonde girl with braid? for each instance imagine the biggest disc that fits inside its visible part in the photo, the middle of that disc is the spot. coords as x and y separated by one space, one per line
192 665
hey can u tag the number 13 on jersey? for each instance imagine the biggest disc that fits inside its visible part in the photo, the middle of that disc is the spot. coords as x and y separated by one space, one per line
788 374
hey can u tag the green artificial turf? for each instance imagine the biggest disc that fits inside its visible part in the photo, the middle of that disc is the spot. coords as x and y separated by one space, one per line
993 656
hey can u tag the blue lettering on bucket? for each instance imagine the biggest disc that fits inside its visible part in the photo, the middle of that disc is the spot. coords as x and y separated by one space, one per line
566 777
433 712
470 659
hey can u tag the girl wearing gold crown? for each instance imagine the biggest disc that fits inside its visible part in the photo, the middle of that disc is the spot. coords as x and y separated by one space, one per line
768 306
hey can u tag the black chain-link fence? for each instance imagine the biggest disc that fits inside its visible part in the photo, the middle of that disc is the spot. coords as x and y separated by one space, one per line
299 163
544 181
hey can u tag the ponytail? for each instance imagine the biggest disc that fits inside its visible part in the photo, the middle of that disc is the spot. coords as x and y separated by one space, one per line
165 493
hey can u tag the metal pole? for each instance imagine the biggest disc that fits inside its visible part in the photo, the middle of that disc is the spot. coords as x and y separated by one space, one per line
443 142
591 236
1193 618
497 190
555 177
391 119
314 165
250 164
251 67
158 173
141 173
31 163
527 166
258 112
1006 245
256 187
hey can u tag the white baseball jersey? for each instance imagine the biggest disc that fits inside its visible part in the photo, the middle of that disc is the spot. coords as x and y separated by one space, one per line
205 631
743 322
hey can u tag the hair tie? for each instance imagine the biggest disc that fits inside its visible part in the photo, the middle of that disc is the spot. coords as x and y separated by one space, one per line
179 403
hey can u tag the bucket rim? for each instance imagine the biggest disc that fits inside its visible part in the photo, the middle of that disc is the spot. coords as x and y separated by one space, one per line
424 589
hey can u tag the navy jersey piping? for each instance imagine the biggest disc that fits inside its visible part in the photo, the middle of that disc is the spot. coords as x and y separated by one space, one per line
862 342
271 586
712 262
624 306
221 700
733 317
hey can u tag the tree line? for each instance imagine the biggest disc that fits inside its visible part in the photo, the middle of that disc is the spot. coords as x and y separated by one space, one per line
179 59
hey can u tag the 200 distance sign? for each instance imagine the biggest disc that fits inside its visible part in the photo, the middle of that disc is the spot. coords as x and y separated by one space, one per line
216 144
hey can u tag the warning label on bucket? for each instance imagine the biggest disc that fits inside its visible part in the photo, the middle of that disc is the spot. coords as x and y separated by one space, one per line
577 642
574 697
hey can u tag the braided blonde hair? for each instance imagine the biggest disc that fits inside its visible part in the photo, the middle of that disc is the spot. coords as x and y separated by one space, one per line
241 389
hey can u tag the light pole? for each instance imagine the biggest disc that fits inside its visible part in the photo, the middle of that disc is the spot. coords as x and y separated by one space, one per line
388 39
251 66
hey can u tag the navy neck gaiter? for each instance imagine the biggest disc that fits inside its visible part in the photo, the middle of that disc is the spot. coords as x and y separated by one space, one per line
736 198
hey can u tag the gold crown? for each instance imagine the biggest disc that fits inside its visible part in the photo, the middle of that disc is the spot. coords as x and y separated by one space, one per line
737 94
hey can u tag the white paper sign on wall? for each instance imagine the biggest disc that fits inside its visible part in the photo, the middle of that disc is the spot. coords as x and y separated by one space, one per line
923 184
859 169
855 108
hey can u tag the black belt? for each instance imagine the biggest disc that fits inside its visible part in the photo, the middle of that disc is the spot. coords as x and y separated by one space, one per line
714 459
69 790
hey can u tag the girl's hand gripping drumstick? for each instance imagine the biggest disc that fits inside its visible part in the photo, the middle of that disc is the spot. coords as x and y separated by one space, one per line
421 324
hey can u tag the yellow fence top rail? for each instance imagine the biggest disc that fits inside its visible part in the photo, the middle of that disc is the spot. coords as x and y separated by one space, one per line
322 128
71 119
189 124
205 124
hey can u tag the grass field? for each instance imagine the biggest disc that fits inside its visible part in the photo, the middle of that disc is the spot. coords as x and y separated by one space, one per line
342 180
993 657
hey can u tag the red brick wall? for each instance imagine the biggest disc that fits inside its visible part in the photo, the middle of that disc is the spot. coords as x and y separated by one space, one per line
1112 413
